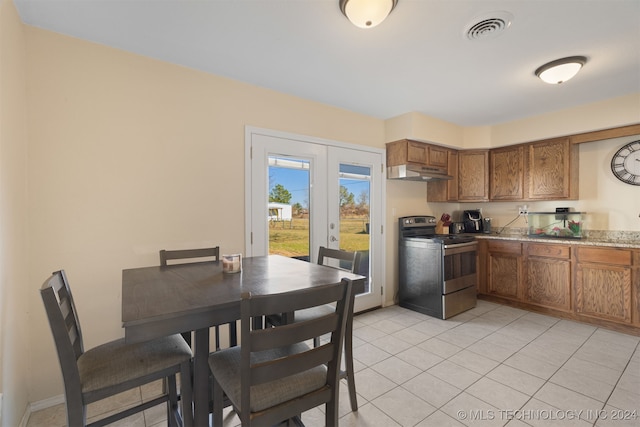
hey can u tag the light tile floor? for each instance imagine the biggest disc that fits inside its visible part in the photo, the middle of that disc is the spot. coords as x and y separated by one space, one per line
490 366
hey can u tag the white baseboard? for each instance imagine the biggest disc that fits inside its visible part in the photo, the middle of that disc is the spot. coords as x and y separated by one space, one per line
40 405
46 403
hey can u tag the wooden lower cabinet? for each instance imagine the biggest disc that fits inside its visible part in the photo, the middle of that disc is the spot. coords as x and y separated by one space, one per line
504 269
548 275
594 284
603 284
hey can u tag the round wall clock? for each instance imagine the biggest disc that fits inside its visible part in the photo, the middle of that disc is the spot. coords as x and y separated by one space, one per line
625 164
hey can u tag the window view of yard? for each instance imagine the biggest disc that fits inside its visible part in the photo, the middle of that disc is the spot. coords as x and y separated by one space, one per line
289 209
291 238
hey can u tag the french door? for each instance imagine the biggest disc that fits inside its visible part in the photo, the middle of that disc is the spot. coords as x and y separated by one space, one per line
303 193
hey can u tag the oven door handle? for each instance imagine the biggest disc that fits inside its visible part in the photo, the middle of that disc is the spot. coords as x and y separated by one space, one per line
462 245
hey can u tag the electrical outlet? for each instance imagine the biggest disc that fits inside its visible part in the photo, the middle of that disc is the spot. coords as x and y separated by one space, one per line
523 210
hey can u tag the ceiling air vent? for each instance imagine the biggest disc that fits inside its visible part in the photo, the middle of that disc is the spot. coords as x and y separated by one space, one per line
489 25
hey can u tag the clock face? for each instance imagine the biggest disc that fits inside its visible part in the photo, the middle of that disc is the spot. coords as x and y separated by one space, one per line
625 164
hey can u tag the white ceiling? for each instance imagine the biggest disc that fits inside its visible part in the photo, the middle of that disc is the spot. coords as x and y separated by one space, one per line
417 60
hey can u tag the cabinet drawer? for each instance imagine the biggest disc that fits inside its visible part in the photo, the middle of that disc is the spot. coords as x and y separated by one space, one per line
514 248
607 256
550 251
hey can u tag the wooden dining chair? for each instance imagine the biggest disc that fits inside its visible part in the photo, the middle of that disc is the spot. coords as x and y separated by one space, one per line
348 261
115 366
337 258
274 376
189 255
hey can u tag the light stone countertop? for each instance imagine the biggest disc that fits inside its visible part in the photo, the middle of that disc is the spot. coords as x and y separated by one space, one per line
614 239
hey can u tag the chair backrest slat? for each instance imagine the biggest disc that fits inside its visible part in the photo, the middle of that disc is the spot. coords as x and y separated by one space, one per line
300 300
67 311
264 339
185 254
279 368
336 258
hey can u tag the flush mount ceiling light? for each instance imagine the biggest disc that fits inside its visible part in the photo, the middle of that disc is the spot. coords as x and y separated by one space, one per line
561 70
367 13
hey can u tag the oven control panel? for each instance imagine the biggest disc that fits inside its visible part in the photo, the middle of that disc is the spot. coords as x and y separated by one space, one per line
417 221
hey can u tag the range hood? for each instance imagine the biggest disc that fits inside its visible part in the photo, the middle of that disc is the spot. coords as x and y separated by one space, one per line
417 173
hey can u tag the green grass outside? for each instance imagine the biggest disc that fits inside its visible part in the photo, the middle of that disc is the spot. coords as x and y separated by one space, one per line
292 239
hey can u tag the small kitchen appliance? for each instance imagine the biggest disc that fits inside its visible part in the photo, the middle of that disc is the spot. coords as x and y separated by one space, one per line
456 228
472 220
486 225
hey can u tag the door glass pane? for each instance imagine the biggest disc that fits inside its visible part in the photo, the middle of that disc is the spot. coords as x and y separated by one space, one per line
355 191
289 207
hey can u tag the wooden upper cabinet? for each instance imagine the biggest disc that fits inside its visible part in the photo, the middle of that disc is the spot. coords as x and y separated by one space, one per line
542 170
415 152
405 151
445 191
552 170
473 175
438 156
506 167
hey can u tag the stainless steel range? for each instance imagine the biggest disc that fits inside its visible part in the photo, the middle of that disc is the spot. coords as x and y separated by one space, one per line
437 273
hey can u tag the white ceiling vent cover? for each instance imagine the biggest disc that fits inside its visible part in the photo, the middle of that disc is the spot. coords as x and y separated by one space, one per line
488 25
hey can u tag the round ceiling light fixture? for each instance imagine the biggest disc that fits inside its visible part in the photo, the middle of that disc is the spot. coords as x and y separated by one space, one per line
367 13
560 70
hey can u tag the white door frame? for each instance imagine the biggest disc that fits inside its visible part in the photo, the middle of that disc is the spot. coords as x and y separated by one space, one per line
377 239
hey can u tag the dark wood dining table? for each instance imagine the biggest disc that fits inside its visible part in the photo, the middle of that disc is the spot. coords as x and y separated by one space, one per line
160 301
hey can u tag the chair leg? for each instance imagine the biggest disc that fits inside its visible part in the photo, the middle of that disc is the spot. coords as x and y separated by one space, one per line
217 403
331 413
76 412
172 403
348 353
186 394
348 361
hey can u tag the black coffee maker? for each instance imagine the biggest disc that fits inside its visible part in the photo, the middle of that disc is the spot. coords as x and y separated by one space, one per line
472 220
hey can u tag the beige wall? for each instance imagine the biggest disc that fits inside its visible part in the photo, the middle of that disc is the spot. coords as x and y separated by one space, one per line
128 155
620 111
15 289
